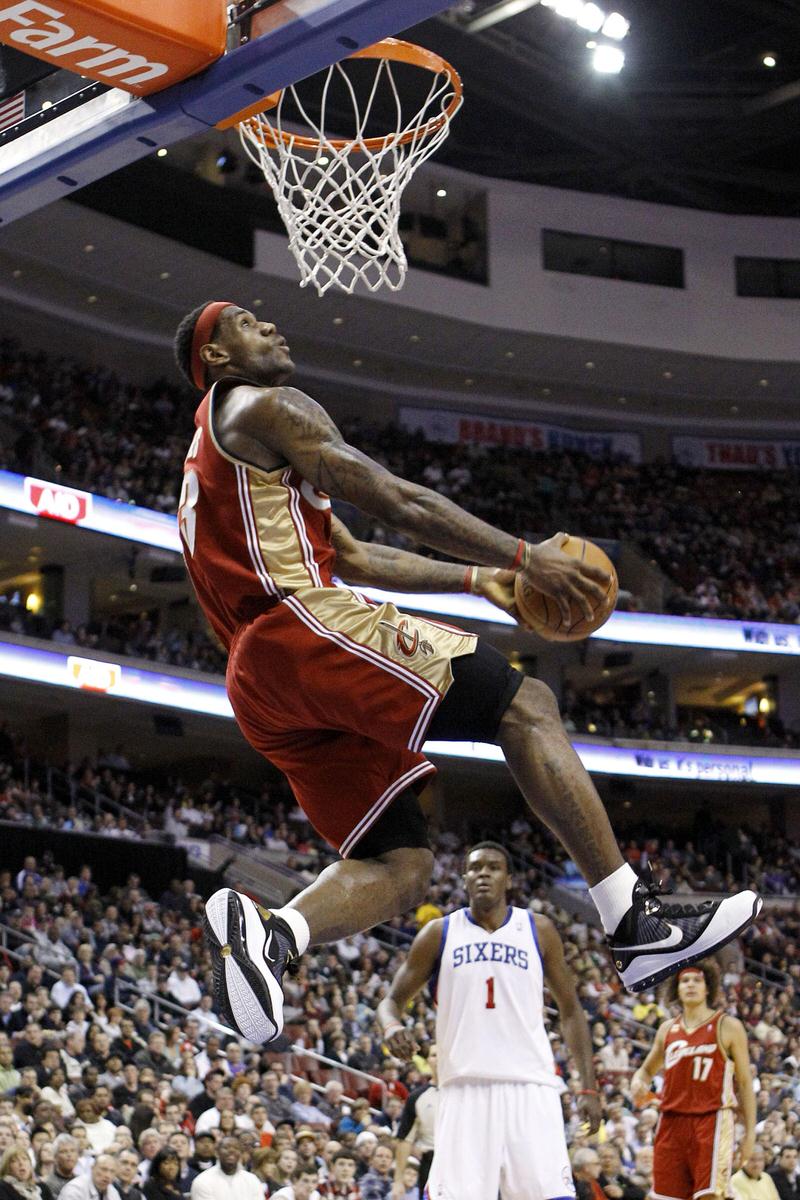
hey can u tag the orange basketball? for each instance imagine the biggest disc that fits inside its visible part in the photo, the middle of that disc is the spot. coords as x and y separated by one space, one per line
543 614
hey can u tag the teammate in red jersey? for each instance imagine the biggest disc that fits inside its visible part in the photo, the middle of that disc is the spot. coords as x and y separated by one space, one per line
340 693
700 1053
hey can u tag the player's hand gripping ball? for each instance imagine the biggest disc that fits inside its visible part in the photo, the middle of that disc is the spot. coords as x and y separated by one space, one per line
543 614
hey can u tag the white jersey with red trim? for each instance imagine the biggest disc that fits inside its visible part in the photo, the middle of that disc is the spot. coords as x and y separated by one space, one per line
489 991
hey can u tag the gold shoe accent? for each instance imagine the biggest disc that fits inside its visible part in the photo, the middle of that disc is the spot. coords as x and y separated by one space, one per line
226 951
265 913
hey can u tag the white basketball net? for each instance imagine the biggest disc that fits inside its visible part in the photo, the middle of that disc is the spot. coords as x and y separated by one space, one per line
340 200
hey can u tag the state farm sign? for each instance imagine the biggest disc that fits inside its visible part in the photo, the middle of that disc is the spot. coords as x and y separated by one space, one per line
57 502
93 675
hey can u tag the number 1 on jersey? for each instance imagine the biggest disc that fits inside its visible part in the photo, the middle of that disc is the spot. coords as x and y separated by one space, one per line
490 992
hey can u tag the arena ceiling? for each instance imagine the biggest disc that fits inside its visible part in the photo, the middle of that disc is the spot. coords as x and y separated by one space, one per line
695 118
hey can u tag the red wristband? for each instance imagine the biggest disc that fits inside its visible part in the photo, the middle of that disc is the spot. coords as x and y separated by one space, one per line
469 578
518 557
588 1092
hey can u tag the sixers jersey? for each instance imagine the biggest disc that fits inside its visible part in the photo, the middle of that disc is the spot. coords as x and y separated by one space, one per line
490 997
698 1074
248 535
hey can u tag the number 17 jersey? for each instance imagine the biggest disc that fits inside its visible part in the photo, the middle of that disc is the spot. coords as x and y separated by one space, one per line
698 1074
489 990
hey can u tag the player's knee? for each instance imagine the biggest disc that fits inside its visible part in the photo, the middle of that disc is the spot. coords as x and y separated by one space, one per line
409 874
534 704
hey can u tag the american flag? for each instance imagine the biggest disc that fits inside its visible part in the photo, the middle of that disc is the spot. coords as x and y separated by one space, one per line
12 109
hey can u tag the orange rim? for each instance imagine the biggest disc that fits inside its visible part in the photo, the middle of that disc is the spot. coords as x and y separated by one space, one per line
391 49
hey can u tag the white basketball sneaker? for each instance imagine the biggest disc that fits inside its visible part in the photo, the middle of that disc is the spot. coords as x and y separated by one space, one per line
656 937
250 950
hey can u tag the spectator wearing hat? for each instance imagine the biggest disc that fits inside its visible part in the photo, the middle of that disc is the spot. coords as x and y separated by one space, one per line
786 1175
342 1179
376 1184
227 1180
365 1144
305 1141
205 1152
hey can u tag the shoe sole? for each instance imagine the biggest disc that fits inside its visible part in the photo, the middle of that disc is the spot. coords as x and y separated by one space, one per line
714 937
249 995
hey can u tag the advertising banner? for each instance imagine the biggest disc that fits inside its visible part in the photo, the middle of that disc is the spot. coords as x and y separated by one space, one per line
736 454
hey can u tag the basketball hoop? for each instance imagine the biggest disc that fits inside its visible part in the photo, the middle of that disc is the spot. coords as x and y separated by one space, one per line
339 197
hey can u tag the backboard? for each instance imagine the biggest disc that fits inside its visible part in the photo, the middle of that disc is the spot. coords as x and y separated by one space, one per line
74 130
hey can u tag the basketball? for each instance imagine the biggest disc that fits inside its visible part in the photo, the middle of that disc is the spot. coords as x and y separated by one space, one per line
543 614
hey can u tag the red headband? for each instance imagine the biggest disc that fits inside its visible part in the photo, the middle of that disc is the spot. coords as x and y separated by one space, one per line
690 971
202 332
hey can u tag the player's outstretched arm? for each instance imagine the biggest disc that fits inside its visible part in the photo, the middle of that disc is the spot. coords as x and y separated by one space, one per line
270 425
412 976
643 1078
574 1025
733 1036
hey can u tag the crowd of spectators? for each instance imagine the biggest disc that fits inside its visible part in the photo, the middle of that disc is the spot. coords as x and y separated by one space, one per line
107 1088
727 542
138 635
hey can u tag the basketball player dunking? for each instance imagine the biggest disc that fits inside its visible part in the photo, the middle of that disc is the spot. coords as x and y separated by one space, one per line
340 694
700 1053
499 1125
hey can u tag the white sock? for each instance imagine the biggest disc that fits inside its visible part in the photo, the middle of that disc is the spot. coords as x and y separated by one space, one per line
613 896
298 925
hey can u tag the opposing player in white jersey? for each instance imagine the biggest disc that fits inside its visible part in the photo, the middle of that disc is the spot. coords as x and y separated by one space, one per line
499 1125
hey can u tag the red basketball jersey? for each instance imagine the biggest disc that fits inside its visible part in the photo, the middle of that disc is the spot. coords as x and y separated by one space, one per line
698 1074
247 534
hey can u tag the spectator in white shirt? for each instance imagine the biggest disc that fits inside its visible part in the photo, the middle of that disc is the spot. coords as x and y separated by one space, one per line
227 1180
614 1056
99 1130
65 988
223 1103
96 1186
183 987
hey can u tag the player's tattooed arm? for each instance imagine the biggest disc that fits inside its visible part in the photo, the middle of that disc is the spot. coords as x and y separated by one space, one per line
291 427
373 565
413 974
370 564
271 426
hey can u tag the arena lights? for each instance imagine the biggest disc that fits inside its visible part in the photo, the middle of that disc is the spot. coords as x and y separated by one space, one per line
143 526
588 16
101 678
608 60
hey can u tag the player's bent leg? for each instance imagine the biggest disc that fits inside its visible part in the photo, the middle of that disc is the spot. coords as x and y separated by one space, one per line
554 781
252 946
650 938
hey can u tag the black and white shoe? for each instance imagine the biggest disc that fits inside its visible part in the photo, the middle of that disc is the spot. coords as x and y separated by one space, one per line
657 937
250 950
